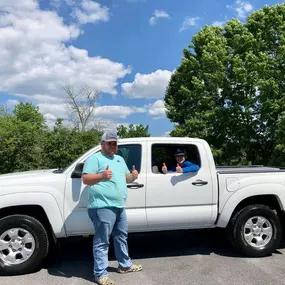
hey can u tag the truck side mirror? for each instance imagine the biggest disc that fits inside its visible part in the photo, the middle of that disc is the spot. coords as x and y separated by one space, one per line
77 172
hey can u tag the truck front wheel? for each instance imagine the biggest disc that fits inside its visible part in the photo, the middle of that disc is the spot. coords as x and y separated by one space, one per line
23 244
255 231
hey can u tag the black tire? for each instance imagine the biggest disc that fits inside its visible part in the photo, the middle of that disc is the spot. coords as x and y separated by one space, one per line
37 230
236 228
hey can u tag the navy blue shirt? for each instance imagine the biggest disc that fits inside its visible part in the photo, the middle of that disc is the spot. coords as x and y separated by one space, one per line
187 166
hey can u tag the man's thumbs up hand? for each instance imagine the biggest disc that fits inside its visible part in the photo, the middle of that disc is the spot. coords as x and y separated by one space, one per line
107 174
135 172
179 169
164 168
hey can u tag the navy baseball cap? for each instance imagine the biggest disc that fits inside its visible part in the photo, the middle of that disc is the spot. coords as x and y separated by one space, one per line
179 152
109 137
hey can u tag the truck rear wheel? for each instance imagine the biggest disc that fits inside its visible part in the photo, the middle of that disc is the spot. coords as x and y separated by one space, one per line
255 231
23 244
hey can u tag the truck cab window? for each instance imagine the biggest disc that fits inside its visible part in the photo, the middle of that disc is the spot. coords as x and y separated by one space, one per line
164 153
132 155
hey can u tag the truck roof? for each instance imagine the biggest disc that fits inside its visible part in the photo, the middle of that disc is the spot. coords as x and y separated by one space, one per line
162 139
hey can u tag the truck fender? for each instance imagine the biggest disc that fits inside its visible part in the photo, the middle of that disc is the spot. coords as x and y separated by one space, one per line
45 200
278 190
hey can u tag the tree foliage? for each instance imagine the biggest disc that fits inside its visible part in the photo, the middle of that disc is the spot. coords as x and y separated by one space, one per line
229 89
63 145
21 138
133 131
26 143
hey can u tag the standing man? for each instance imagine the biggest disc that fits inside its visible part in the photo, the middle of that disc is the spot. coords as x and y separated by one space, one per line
106 175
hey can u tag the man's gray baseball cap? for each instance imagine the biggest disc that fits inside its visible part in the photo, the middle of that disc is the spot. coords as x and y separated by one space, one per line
109 137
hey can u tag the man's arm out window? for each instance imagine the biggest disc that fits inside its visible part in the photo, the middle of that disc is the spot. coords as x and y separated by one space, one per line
190 167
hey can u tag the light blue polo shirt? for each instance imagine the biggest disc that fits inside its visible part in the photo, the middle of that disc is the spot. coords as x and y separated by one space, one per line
107 193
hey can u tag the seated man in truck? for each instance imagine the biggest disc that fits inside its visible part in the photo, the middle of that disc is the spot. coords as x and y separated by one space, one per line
183 165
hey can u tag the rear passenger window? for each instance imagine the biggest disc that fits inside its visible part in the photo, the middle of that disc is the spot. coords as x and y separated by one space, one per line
132 155
164 153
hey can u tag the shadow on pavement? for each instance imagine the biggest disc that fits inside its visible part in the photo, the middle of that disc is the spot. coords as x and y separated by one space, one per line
74 257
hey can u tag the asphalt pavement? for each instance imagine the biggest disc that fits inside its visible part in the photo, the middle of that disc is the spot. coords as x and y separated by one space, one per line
180 257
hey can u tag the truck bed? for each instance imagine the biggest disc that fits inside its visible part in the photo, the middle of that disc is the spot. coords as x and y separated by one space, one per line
247 169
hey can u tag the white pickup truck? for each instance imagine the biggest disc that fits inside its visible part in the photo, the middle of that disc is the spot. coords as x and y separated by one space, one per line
39 207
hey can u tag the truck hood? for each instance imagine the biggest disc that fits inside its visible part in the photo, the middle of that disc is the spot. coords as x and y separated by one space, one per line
25 174
32 181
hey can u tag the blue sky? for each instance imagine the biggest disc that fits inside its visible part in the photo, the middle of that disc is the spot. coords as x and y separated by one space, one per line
125 49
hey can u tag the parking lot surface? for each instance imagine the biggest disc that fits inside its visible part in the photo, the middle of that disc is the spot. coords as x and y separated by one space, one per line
180 257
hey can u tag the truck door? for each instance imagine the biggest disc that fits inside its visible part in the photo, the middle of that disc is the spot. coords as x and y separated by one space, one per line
76 193
175 200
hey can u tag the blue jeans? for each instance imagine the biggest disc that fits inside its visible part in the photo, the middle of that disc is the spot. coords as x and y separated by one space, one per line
107 222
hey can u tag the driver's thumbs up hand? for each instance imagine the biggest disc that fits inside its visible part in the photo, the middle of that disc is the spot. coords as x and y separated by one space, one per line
135 172
178 168
107 174
164 168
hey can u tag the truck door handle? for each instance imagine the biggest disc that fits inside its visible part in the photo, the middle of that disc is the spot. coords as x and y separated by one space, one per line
199 182
135 185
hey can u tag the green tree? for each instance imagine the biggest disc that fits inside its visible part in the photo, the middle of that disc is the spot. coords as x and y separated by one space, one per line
133 131
63 145
27 144
229 88
3 111
278 157
28 113
21 139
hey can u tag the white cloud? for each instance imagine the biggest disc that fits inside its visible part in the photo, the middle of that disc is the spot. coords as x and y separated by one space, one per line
43 98
113 125
158 14
104 116
123 124
218 24
53 110
50 124
117 111
91 12
167 134
189 22
147 86
108 111
55 3
24 5
242 8
70 2
36 60
50 117
127 125
157 109
11 103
